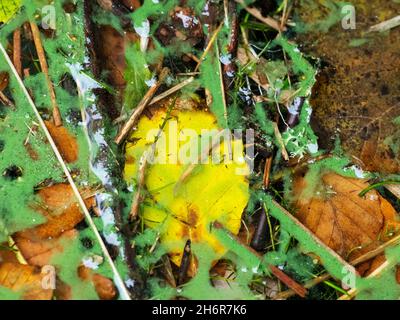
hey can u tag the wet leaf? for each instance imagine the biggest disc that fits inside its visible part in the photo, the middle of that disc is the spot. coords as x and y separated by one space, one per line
26 279
349 224
105 288
65 142
59 206
38 252
214 191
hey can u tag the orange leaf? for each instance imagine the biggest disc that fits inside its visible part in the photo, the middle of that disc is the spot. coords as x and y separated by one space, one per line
349 224
61 210
65 142
18 277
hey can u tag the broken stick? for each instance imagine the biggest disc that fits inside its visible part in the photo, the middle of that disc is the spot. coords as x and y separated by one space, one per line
45 69
140 108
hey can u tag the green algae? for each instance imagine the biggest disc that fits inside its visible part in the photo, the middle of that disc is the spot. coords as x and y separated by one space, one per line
66 46
383 286
136 74
211 80
17 195
7 294
200 286
67 263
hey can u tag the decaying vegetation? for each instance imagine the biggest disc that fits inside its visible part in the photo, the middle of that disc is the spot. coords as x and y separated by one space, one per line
91 93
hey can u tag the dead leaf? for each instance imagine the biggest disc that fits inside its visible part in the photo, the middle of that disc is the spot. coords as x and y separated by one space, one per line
38 245
347 223
7 254
105 288
61 210
65 142
38 252
28 279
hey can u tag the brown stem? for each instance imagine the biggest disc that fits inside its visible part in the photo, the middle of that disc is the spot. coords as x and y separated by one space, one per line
17 51
267 172
289 282
141 107
297 288
230 68
138 197
45 69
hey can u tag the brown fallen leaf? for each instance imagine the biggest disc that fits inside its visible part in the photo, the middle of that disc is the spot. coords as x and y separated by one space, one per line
25 278
7 254
38 245
105 288
38 252
65 142
60 208
373 157
349 224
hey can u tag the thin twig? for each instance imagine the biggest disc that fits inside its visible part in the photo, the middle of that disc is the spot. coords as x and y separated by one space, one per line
363 258
267 171
193 57
298 288
280 141
172 90
45 69
209 45
140 108
17 51
267 20
139 196
386 25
